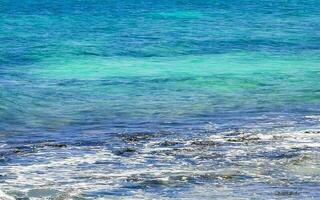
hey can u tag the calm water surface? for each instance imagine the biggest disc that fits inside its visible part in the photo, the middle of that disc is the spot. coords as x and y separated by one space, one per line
146 99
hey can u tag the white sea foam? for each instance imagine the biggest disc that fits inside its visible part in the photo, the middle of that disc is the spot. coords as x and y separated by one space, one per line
4 196
313 117
255 155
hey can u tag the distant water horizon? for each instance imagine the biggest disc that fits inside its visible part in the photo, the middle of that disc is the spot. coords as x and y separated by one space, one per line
145 99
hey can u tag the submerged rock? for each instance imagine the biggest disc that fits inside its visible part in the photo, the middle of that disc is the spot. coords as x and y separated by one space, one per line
203 143
68 194
168 143
312 132
137 137
243 138
286 193
125 151
40 193
57 145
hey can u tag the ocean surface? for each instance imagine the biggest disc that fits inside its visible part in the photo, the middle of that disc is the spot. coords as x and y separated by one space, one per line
170 99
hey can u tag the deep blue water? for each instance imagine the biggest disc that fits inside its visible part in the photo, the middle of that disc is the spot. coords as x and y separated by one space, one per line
159 99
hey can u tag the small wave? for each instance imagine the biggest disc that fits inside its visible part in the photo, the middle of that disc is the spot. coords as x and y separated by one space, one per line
313 117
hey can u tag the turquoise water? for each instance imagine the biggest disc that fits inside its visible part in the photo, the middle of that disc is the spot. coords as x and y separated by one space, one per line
148 99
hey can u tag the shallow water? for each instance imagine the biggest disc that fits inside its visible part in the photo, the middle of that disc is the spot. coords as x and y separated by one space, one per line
167 100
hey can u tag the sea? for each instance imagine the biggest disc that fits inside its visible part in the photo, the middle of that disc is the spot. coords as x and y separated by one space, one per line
159 99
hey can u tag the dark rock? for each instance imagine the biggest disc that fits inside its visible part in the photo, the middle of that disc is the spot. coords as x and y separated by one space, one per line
125 151
57 145
168 143
204 143
286 193
312 132
137 137
243 138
